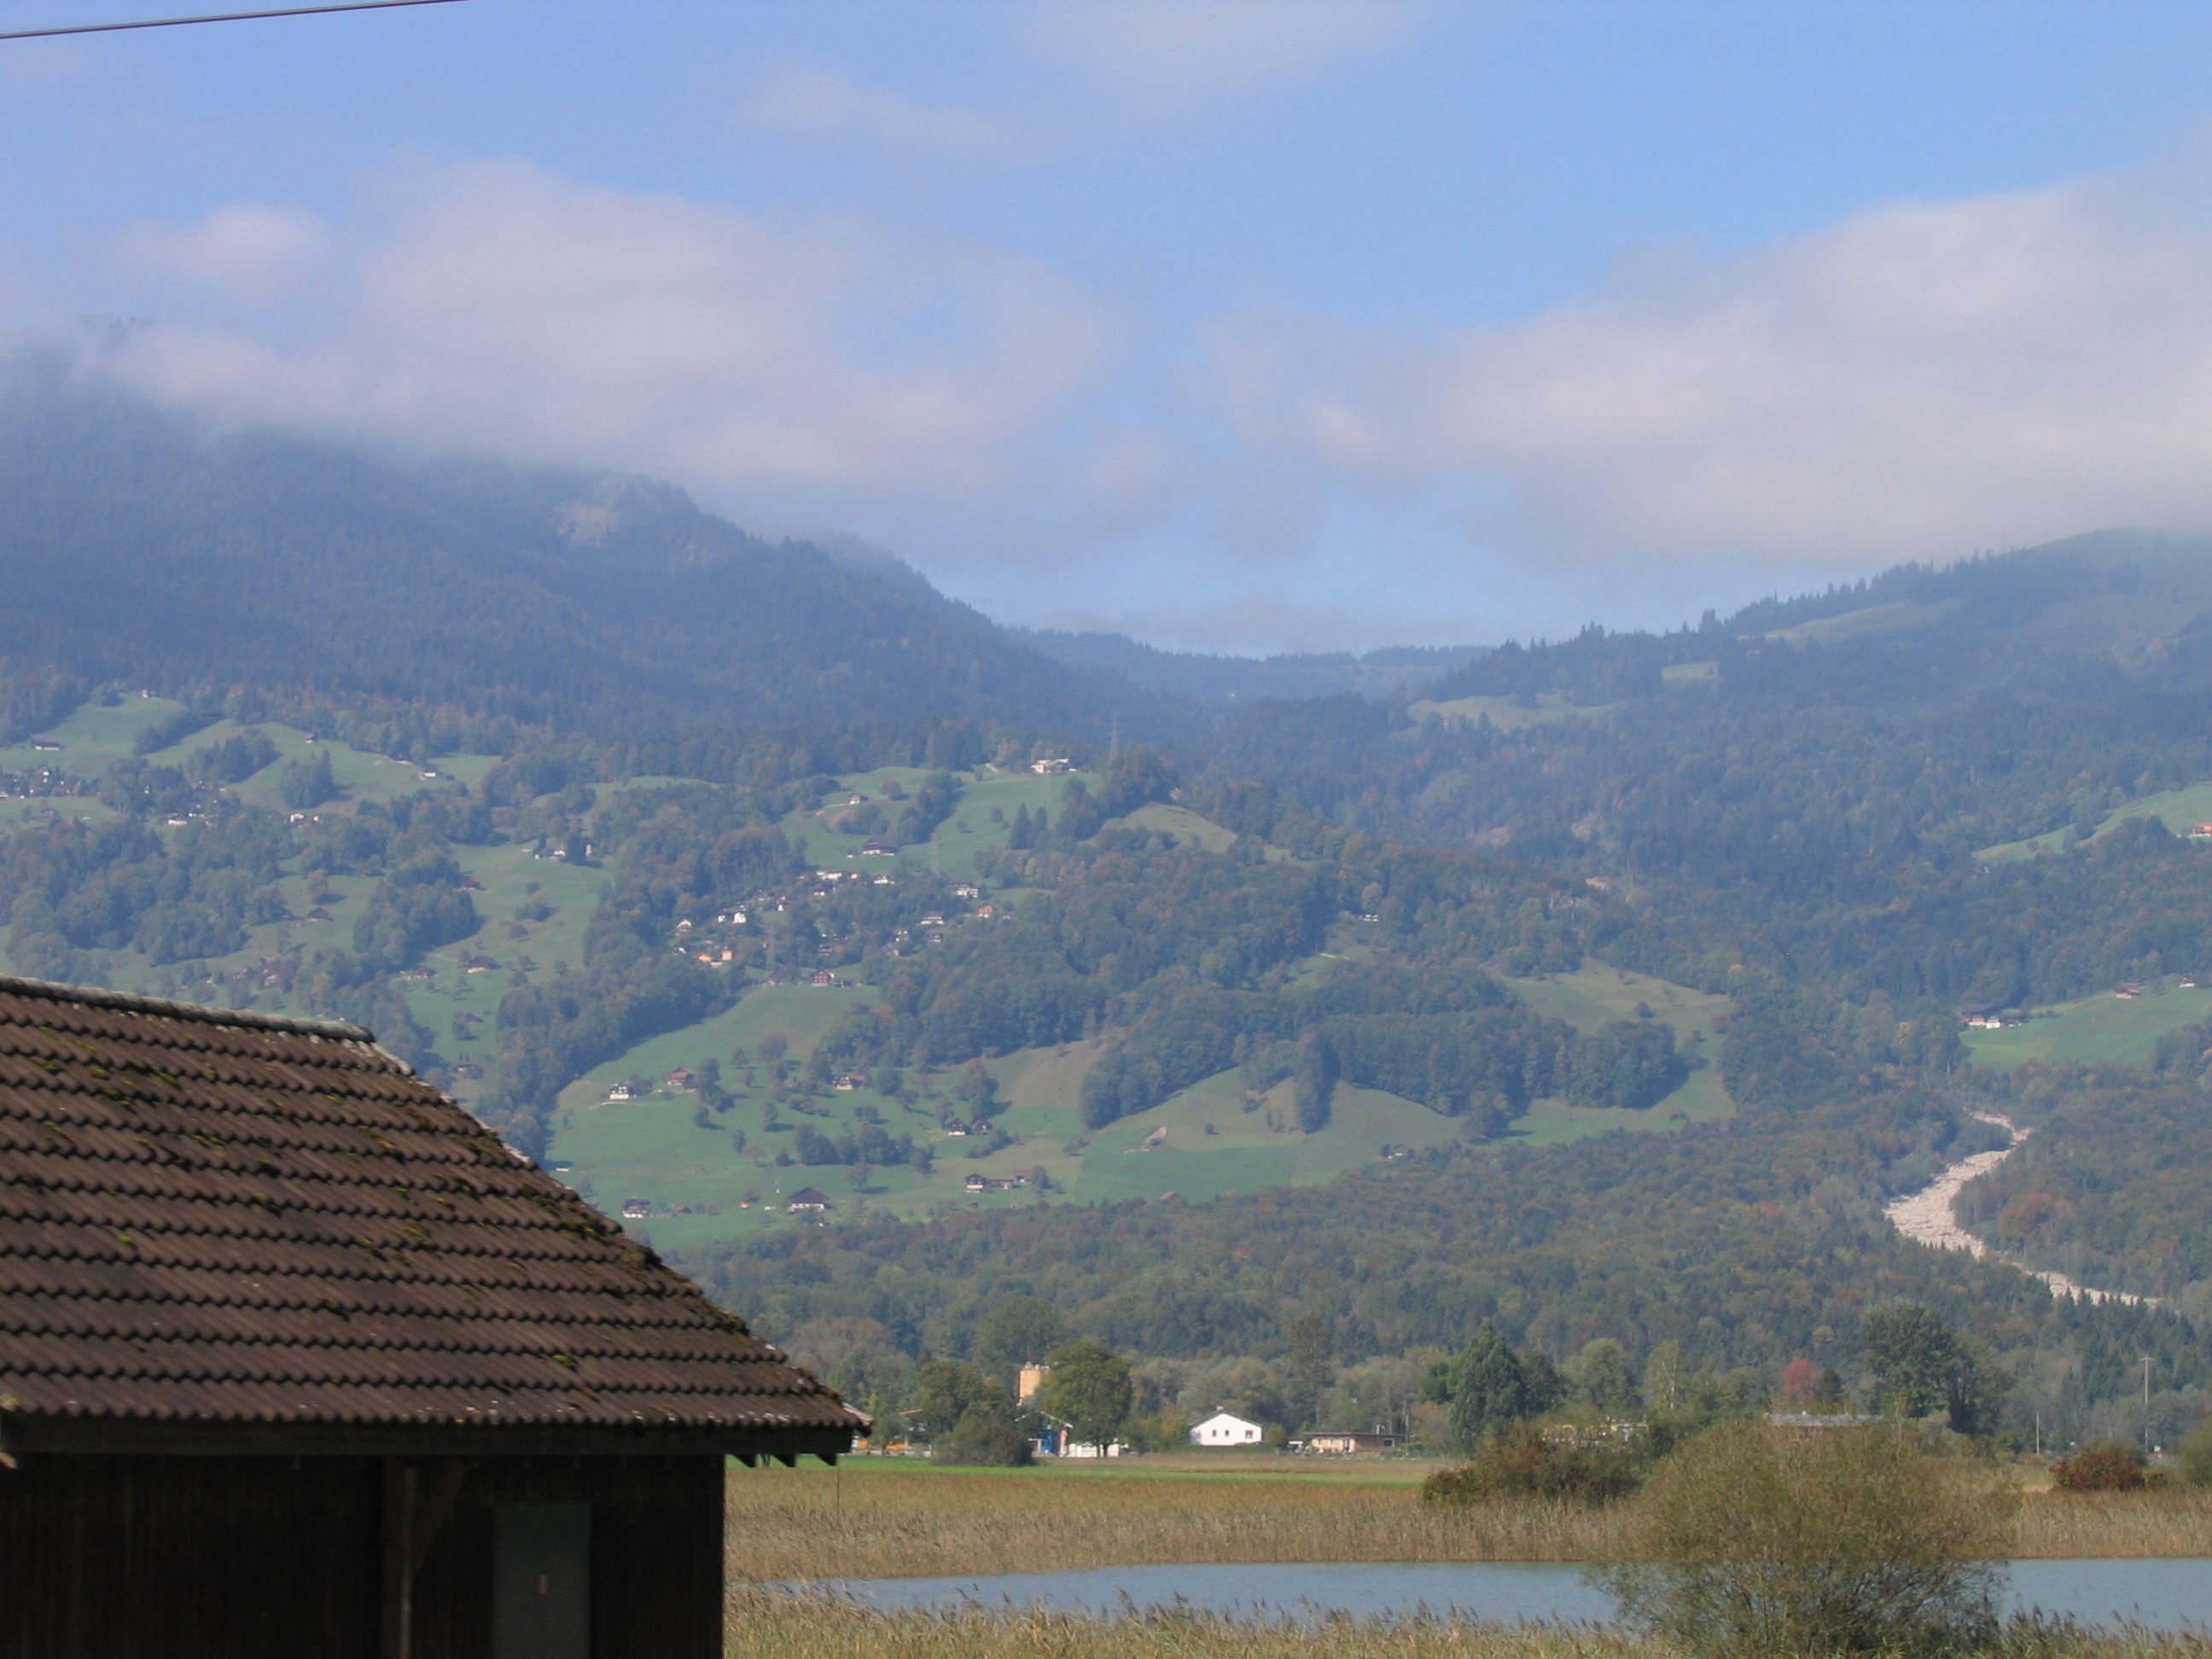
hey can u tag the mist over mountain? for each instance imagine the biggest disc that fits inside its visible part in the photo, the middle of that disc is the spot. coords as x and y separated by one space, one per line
143 549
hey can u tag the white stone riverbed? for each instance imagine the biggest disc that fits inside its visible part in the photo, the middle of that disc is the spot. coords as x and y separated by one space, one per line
1925 1217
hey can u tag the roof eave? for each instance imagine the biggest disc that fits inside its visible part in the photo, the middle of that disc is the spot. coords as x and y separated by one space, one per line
31 1435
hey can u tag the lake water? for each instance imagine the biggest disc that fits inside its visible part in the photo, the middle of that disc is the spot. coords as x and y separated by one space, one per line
2164 1595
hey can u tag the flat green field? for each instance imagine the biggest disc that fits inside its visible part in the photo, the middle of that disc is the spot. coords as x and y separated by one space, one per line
2102 1029
1268 1467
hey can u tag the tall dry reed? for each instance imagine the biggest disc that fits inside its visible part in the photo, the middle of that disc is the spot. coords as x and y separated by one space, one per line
2062 1526
771 1625
768 1624
917 1522
922 1522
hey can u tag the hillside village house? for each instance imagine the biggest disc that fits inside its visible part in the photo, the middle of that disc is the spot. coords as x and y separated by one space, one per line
296 1358
1222 1430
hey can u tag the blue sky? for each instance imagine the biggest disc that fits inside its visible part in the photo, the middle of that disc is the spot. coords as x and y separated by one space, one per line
1242 325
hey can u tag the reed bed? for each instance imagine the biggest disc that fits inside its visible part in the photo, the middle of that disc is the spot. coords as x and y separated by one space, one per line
769 1625
785 1525
900 1522
763 1623
2056 1525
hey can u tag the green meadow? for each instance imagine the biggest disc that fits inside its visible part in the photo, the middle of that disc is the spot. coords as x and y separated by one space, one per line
1900 615
1506 713
2103 1028
1208 1140
1205 1141
724 1176
2178 810
1595 994
952 851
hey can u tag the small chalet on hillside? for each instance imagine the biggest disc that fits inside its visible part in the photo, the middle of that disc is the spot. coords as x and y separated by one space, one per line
295 1358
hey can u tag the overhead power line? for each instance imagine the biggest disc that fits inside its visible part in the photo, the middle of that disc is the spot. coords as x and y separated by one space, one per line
219 17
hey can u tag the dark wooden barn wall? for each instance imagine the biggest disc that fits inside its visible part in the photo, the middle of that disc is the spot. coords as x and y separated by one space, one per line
257 1558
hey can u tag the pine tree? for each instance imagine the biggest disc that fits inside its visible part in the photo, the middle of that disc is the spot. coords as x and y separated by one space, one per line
1489 1388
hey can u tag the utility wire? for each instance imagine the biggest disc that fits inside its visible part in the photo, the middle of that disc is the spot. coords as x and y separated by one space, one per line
218 17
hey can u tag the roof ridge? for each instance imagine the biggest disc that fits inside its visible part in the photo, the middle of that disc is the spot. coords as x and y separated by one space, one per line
98 997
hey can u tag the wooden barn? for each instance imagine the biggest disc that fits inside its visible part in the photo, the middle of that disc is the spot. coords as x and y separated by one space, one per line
296 1358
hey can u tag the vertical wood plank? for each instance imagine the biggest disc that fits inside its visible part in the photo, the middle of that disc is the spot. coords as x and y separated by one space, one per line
398 1582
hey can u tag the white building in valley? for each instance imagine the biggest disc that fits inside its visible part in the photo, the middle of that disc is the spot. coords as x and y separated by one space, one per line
1222 1430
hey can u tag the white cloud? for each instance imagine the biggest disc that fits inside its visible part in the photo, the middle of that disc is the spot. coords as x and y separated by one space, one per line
822 102
1921 378
818 368
1172 49
248 249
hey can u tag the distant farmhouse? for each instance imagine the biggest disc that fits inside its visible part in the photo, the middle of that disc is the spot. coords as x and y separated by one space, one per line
296 1358
1335 1443
1222 1430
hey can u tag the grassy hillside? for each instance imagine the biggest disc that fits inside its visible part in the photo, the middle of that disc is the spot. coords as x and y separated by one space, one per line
2178 810
1203 1141
1594 994
990 797
2103 1030
91 739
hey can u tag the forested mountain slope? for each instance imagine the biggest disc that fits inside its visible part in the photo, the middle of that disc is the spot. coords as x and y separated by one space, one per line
716 869
1223 681
1810 786
466 600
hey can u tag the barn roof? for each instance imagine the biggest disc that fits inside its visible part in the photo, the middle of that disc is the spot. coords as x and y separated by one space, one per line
270 1230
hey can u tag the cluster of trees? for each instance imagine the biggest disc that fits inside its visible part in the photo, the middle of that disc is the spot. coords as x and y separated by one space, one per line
76 892
1482 1061
864 1143
1185 958
2110 1187
970 1415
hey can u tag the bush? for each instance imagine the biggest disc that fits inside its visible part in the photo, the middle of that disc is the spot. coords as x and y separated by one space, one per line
1849 1540
984 1436
1562 1463
970 1418
2195 1454
2114 1467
